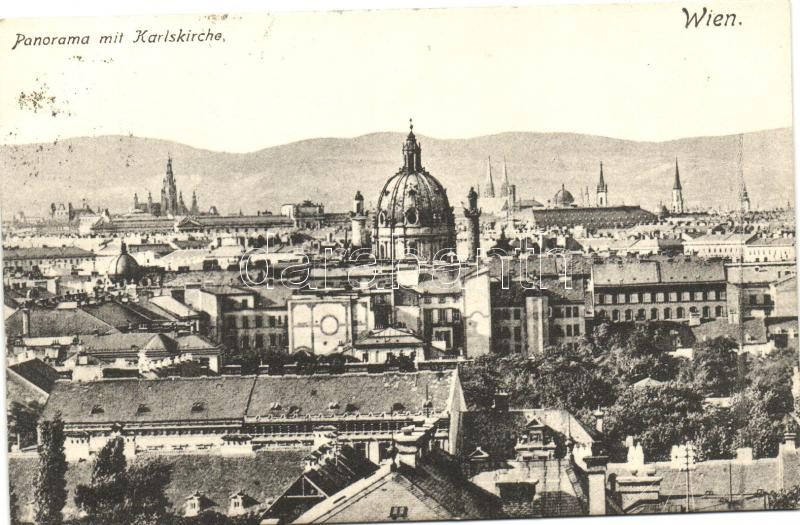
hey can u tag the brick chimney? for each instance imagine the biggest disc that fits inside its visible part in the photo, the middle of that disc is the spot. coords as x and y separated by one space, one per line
596 470
412 443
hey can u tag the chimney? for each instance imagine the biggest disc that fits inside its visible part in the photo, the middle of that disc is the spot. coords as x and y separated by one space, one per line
596 472
598 419
26 322
411 444
500 402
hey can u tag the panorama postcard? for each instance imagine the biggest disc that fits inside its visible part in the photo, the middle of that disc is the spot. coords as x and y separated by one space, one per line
399 264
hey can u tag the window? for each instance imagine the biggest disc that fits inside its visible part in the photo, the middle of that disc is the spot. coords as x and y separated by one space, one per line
712 295
654 314
198 406
698 296
615 315
442 299
245 322
97 409
706 311
598 298
259 321
620 298
259 341
628 315
142 409
640 315
667 313
647 297
516 314
398 512
634 297
427 299
660 297
569 330
609 299
679 313
718 311
686 296
576 330
517 333
457 315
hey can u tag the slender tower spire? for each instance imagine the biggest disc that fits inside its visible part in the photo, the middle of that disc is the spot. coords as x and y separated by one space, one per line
488 191
744 199
602 189
677 191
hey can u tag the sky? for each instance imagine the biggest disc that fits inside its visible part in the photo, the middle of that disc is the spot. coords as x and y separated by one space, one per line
624 71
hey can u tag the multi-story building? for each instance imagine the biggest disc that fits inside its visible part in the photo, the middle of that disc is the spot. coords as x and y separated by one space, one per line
57 260
679 289
244 414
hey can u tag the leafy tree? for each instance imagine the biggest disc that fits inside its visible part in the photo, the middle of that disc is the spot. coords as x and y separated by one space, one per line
712 433
784 499
50 486
716 368
755 427
128 495
22 422
656 416
771 376
105 497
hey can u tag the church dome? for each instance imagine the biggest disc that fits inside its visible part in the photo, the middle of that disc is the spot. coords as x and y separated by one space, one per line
563 198
413 197
413 212
123 266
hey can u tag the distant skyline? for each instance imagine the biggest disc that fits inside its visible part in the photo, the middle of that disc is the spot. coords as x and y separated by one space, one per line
623 71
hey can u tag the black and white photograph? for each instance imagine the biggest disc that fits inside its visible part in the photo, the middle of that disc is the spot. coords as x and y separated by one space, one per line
400 264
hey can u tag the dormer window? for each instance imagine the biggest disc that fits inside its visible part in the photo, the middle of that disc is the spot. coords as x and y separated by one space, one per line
143 409
398 407
97 409
333 405
198 406
275 406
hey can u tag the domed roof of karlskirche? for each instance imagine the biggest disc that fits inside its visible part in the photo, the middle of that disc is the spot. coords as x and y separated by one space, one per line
413 197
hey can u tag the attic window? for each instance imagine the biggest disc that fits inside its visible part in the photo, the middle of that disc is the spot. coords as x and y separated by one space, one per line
97 409
294 410
350 407
198 406
333 404
427 404
398 407
398 512
275 406
143 409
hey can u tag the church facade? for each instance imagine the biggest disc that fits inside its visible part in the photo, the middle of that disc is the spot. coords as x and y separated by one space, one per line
171 202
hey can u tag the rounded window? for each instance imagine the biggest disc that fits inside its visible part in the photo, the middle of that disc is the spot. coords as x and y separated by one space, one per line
411 216
382 218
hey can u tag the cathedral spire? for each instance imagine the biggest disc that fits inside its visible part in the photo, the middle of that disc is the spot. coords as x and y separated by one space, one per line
677 191
489 189
602 189
677 184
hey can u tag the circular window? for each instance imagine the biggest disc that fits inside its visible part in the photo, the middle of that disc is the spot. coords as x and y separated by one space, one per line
329 325
411 216
382 218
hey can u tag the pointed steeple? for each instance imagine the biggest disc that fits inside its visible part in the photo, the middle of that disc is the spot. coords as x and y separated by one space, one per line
601 184
504 189
488 191
677 185
195 209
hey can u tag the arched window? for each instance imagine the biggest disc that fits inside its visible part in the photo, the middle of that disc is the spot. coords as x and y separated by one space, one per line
640 315
654 313
411 216
615 315
679 313
628 315
706 311
667 313
718 311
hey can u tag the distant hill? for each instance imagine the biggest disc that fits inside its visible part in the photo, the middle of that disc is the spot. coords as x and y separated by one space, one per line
107 170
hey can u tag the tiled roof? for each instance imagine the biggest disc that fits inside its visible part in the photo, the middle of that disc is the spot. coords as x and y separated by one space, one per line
438 476
755 331
36 372
389 336
14 254
108 401
233 397
608 217
496 431
636 272
57 323
263 476
214 278
120 315
277 396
